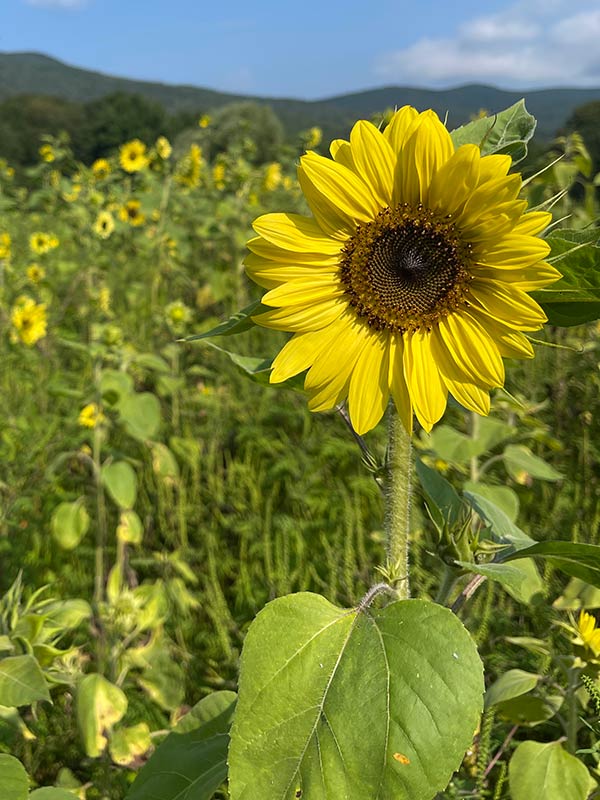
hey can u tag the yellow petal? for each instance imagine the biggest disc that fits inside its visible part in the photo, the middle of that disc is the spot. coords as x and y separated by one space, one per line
528 279
514 345
470 348
374 160
507 304
300 352
296 233
327 381
494 166
369 391
425 384
514 250
307 291
397 128
261 248
533 222
337 197
469 396
302 318
342 153
455 180
427 147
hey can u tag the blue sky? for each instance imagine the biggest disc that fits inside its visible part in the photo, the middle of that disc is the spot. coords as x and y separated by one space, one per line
313 50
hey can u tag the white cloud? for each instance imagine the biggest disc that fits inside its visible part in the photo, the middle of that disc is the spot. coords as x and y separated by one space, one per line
61 4
531 43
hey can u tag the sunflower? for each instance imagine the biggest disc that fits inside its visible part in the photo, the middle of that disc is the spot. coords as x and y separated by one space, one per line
101 169
91 416
29 320
104 224
132 156
40 242
410 278
131 213
587 633
35 273
163 147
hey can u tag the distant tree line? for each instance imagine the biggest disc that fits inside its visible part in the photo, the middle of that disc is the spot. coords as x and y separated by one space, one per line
98 127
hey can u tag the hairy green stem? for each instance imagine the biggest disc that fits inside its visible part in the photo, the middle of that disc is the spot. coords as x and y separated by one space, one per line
398 493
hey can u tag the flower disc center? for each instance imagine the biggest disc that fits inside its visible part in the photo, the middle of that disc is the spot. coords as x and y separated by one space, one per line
405 269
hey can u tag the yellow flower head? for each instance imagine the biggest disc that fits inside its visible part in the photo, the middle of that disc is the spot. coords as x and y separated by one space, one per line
104 299
588 634
189 168
5 246
28 320
178 314
410 278
204 121
104 224
163 147
35 273
41 243
315 135
73 195
91 416
132 156
47 154
131 213
272 177
218 176
100 169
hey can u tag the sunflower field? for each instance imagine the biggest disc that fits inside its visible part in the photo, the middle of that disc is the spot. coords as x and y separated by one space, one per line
163 479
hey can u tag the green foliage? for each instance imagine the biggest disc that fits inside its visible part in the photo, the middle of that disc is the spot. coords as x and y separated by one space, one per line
546 770
251 128
507 132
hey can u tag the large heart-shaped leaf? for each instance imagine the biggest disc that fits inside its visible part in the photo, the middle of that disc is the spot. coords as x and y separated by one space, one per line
539 769
362 704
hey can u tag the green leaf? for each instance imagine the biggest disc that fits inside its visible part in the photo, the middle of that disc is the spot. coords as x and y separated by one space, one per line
21 681
443 501
519 460
130 528
14 783
529 709
128 745
52 793
506 132
121 483
547 770
353 703
503 497
574 299
579 560
522 583
163 462
115 385
502 529
511 684
140 414
70 523
259 369
191 763
576 595
239 322
450 445
100 705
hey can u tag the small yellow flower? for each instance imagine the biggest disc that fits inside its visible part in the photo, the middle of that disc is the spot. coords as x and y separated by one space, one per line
588 633
189 168
5 246
101 169
40 242
73 195
35 273
47 154
314 138
104 299
272 177
131 213
132 156
29 320
178 314
218 176
204 121
91 416
163 147
104 224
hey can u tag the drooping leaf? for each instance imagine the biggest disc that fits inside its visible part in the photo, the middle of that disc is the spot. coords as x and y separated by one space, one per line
70 523
352 703
506 132
14 783
140 414
100 705
237 323
502 529
574 299
444 503
521 462
505 498
579 560
22 681
191 763
130 528
530 710
128 745
522 583
511 684
545 770
121 483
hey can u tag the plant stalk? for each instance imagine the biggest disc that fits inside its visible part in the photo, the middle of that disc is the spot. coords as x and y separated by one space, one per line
398 493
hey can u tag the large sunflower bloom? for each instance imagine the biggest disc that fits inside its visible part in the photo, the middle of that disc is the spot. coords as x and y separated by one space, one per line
409 279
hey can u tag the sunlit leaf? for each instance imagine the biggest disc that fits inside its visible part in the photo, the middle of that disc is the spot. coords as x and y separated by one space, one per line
539 769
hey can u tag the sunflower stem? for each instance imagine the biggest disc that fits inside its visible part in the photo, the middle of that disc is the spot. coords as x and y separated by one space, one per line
398 493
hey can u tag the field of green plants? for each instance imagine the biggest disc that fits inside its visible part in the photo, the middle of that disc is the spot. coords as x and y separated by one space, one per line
156 492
